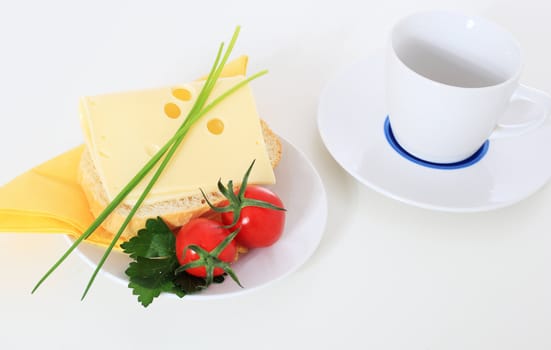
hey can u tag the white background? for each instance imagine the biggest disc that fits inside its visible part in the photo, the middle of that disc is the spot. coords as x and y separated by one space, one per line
385 276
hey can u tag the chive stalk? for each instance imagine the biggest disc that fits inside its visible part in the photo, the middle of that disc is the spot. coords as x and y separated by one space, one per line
197 111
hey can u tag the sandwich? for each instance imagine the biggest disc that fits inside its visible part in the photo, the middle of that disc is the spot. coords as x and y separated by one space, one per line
122 131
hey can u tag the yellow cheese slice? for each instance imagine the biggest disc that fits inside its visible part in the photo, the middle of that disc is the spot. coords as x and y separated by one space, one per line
48 198
124 130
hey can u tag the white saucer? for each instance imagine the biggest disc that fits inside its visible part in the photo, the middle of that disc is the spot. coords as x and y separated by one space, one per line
301 190
351 120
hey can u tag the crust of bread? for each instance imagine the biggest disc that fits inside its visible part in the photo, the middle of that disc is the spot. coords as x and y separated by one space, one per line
175 212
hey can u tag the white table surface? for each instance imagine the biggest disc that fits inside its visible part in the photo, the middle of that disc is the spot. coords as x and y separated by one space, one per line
385 276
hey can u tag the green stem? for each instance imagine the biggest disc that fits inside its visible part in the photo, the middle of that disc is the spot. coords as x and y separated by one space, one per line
188 122
126 190
180 135
106 212
210 260
170 146
236 202
133 211
229 92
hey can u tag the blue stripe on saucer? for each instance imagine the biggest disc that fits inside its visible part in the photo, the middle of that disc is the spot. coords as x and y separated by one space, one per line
475 158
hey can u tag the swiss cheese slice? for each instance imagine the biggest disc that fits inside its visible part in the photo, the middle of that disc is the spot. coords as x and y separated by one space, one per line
124 130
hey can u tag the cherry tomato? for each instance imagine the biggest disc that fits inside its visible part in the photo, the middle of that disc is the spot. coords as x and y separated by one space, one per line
259 227
207 234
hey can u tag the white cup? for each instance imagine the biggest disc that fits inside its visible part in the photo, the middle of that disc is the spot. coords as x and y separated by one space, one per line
450 80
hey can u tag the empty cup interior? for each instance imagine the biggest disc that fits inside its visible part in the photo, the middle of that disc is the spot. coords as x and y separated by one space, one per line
456 50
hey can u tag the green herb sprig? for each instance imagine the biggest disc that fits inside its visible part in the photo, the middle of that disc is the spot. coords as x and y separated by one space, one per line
167 151
153 269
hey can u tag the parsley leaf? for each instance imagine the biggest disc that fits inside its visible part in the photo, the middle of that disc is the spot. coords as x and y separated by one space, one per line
146 295
155 240
154 254
152 271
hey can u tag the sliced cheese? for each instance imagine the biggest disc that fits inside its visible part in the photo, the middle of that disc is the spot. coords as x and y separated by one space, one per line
123 130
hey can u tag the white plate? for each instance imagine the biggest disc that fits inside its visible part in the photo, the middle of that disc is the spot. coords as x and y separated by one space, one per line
351 119
302 192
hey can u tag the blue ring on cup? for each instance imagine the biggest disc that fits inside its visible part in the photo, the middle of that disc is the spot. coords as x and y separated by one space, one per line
475 158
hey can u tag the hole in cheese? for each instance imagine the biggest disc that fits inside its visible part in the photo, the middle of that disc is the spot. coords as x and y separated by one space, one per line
215 126
172 110
182 94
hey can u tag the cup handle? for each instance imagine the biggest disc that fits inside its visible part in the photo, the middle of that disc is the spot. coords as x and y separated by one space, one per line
534 96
